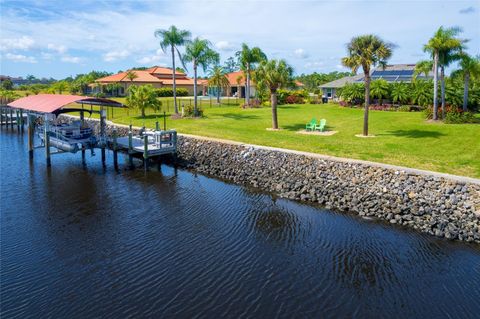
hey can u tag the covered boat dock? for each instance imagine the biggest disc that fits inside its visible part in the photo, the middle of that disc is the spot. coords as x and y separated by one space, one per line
42 112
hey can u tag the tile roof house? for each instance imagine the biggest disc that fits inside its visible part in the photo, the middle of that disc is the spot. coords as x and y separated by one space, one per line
391 73
237 85
158 77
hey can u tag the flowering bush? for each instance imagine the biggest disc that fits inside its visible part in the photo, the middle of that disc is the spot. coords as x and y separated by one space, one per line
294 99
453 115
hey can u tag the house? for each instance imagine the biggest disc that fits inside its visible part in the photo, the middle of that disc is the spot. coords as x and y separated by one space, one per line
391 73
158 77
237 86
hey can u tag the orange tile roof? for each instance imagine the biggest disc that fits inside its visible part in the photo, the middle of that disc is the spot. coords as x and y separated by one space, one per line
161 70
142 76
298 83
232 78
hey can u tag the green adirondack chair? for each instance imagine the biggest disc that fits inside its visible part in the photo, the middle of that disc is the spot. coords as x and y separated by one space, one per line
311 125
320 127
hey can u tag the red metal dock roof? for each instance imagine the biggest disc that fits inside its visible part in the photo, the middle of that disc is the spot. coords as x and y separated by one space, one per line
49 103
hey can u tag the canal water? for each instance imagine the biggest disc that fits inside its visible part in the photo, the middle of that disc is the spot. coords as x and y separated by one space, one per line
89 242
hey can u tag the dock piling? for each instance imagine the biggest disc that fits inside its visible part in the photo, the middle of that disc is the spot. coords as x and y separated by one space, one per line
31 130
130 146
145 151
47 143
17 119
11 118
157 128
115 155
82 121
103 115
22 123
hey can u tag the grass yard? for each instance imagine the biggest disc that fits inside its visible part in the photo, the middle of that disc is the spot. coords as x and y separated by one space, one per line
402 138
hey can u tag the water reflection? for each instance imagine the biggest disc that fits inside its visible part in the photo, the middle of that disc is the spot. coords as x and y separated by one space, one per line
100 242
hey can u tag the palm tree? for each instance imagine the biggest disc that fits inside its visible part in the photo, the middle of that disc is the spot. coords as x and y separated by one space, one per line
380 89
131 75
143 97
469 67
446 57
352 92
173 38
424 67
274 75
199 52
366 51
422 92
248 59
399 92
60 86
441 46
218 79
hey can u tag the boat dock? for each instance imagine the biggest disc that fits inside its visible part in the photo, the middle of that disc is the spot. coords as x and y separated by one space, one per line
40 114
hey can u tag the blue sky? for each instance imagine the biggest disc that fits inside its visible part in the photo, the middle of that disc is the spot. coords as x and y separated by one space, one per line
61 38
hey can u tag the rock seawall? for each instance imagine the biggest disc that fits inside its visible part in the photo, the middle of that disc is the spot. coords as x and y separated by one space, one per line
436 205
433 203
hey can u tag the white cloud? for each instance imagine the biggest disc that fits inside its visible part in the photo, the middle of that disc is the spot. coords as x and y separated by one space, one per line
224 46
152 59
22 43
46 55
20 58
57 48
116 55
300 53
71 59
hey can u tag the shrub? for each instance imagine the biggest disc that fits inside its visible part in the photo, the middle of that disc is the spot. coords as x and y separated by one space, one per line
296 96
404 108
457 116
294 99
181 92
188 110
384 107
168 92
428 113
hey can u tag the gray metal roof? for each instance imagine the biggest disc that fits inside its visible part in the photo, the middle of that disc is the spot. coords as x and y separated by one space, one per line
341 82
391 73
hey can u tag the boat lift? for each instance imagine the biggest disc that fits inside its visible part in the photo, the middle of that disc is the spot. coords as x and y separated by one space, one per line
77 136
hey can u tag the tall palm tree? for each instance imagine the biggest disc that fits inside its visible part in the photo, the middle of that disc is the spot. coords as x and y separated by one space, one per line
248 58
366 51
200 53
218 79
469 67
131 75
173 38
442 45
274 75
143 97
446 57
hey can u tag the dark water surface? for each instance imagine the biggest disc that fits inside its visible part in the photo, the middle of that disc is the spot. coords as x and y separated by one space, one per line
90 242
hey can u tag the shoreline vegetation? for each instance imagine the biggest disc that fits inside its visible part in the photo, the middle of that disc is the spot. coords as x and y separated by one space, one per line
401 138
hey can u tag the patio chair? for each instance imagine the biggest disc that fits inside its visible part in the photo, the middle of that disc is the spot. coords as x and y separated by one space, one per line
321 126
311 125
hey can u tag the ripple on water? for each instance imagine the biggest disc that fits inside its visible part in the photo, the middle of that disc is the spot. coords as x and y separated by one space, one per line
92 242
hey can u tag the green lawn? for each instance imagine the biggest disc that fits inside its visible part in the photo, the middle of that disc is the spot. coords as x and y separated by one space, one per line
402 138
